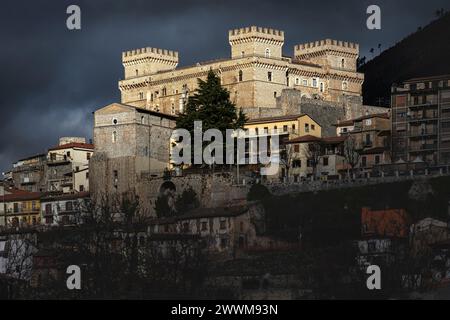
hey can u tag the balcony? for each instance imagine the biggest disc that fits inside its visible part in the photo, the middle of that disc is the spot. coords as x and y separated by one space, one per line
57 160
423 147
422 133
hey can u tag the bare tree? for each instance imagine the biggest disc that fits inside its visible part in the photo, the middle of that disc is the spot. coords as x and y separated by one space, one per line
351 153
286 159
313 153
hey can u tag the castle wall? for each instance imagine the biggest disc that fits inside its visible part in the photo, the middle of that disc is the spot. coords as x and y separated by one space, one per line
255 51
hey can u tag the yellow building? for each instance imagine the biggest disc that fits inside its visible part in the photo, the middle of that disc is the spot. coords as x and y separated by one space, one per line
294 125
288 128
22 208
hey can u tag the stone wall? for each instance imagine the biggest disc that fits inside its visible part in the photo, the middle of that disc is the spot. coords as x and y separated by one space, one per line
326 113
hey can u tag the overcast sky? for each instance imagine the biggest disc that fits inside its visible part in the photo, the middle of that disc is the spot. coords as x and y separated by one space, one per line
52 78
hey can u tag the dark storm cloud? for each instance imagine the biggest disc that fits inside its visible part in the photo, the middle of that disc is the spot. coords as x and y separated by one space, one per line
52 79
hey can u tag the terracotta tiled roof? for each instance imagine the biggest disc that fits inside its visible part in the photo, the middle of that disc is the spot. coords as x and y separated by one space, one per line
304 139
430 78
74 145
310 138
349 122
22 196
375 150
274 119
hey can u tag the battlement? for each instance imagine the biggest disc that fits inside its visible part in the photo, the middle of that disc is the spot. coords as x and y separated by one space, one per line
150 52
328 44
253 31
146 61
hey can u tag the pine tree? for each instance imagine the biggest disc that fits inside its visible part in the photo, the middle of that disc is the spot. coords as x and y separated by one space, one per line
211 104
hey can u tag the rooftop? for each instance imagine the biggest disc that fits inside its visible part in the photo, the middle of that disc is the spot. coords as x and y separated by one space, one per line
73 145
275 119
344 123
429 78
325 140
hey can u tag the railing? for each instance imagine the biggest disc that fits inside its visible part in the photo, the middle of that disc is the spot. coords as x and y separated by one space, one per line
423 147
425 132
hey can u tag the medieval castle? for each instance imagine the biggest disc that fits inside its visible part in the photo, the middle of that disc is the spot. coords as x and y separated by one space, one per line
132 138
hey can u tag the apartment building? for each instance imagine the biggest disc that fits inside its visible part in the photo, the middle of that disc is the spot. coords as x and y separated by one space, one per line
421 120
371 134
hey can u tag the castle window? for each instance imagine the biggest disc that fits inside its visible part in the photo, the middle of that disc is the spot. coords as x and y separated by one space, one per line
164 92
306 127
151 97
297 81
321 87
115 177
343 63
137 72
242 54
173 108
305 82
344 85
274 94
269 76
141 96
142 119
240 75
314 83
267 53
114 136
114 121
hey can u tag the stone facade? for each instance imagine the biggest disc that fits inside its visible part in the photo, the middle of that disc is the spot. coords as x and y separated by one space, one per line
255 74
129 142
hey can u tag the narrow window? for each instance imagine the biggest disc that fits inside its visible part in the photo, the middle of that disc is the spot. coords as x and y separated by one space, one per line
269 76
114 136
343 63
321 87
267 53
240 75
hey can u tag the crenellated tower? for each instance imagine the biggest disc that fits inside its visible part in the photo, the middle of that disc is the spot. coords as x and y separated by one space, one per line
147 61
256 41
329 53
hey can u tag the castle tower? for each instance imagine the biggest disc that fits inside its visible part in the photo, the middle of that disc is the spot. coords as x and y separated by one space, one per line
147 61
329 53
256 41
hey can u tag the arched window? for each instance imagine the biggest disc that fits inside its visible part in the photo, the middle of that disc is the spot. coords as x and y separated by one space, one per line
137 72
343 63
141 96
114 136
142 119
267 53
240 75
344 85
